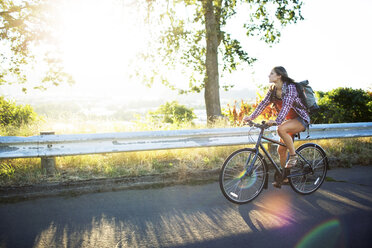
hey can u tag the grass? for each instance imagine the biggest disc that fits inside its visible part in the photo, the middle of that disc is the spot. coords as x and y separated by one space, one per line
71 168
348 152
341 152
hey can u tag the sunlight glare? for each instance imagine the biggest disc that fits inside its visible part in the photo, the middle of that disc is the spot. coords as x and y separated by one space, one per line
274 212
98 40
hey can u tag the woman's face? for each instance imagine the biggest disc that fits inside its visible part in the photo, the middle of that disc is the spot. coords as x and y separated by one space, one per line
273 77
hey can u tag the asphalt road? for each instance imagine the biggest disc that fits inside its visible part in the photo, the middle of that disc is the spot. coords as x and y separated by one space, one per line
339 214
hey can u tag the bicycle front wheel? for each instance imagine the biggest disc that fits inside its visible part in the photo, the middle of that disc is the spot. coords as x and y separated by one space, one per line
303 179
240 180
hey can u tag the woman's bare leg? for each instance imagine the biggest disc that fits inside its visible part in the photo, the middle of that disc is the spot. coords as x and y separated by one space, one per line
282 151
285 130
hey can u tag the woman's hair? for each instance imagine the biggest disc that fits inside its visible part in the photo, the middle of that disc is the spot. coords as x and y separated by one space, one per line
280 70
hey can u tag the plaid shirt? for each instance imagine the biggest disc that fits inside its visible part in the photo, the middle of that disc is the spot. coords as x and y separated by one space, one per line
290 100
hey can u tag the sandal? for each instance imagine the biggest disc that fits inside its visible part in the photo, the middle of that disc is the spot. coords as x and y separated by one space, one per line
278 185
292 161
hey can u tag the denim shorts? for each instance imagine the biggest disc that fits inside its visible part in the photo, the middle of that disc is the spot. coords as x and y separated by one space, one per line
303 122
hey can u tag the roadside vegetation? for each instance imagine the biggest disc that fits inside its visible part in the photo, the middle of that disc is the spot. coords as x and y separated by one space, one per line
176 162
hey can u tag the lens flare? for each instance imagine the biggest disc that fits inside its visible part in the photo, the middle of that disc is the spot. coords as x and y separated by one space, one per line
327 234
273 211
246 180
241 174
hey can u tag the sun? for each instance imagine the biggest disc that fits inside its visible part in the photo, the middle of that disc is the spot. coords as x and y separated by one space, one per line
98 41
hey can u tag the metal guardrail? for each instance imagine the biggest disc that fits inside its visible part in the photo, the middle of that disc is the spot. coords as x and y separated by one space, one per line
79 144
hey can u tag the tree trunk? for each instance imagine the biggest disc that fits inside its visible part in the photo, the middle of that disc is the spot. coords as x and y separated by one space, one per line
211 87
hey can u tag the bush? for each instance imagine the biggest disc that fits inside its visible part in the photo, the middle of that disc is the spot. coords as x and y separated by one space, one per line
15 115
173 113
237 113
344 105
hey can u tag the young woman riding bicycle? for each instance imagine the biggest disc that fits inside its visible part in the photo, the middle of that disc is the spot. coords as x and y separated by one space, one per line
292 115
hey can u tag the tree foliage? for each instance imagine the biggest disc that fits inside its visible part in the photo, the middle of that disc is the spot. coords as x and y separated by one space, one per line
344 105
195 27
183 40
25 26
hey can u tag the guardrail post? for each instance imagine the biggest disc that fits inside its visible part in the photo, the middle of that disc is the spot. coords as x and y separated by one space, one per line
48 164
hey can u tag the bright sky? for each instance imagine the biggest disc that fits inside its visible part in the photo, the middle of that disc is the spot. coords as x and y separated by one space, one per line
331 48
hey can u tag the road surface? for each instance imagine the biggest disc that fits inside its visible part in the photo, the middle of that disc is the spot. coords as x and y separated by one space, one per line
339 214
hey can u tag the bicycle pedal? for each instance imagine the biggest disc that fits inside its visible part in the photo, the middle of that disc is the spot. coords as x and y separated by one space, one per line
277 185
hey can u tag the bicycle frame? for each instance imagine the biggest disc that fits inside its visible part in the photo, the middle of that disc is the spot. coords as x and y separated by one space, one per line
277 167
245 172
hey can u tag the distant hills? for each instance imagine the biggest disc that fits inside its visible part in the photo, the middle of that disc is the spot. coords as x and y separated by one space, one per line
93 107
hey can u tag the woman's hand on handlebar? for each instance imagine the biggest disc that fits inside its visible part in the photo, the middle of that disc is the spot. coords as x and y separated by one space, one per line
271 123
265 124
247 119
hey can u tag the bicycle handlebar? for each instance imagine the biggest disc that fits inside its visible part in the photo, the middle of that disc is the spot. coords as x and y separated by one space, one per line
263 124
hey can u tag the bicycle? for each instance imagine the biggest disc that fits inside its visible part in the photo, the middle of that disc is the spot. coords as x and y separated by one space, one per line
244 173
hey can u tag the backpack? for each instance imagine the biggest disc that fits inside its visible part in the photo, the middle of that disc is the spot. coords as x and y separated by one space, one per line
307 96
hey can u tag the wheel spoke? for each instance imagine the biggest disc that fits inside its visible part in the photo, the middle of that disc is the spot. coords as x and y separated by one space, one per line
233 187
237 185
232 183
304 183
310 182
315 166
231 174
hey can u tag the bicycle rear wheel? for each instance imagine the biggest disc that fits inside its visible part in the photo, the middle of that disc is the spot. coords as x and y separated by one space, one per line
239 183
303 179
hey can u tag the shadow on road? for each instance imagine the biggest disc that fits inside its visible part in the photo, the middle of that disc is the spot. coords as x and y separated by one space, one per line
191 216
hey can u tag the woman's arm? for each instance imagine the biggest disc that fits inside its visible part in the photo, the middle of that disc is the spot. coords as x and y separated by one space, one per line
261 106
288 99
